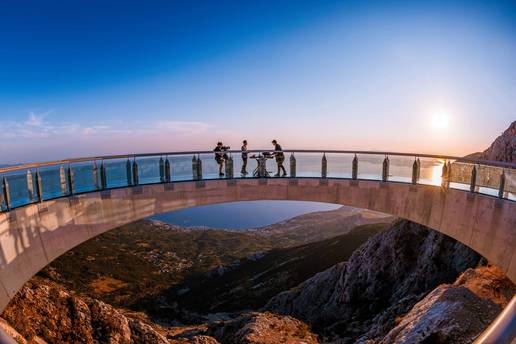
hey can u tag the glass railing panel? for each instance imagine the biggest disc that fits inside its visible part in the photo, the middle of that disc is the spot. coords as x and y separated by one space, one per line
210 168
400 168
52 184
510 184
488 179
307 164
340 165
181 167
430 171
149 170
237 166
3 206
19 188
460 175
117 173
84 177
370 166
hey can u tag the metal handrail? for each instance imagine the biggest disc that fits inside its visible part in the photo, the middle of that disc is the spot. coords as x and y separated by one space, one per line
321 151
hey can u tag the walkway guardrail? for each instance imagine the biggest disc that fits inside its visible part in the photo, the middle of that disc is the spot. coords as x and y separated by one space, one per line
31 183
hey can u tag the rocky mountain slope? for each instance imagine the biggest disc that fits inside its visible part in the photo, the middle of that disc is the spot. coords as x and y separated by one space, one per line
503 148
455 313
45 312
383 279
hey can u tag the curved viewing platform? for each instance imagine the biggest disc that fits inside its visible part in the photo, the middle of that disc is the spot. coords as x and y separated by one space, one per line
36 182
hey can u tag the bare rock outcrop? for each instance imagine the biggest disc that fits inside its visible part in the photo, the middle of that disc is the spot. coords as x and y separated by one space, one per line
455 313
201 339
383 279
503 148
262 328
43 309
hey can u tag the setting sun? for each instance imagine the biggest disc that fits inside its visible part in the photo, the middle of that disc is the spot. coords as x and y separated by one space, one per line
440 120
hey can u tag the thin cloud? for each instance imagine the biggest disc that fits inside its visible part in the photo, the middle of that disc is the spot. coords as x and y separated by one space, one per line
37 135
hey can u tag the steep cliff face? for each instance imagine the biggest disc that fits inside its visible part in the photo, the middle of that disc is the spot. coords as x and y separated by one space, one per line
383 279
455 313
503 148
45 310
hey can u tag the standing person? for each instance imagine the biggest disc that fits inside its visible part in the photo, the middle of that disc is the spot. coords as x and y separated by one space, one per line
244 158
219 157
280 158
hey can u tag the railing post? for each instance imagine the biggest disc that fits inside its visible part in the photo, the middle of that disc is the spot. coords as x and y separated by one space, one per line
473 184
39 187
62 180
128 173
95 172
69 174
324 166
199 167
161 170
167 170
292 165
30 186
501 188
385 169
445 175
415 171
229 167
6 193
136 180
195 169
2 199
354 169
103 178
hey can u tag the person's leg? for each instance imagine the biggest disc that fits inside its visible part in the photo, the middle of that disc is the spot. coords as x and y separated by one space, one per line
221 166
278 163
283 169
244 166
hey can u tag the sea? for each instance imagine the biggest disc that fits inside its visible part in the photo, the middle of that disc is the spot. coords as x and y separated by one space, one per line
241 215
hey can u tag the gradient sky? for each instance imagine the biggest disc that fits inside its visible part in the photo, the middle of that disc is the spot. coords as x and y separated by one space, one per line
101 77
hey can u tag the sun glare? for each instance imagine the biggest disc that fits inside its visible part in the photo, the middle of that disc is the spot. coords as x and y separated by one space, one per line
440 120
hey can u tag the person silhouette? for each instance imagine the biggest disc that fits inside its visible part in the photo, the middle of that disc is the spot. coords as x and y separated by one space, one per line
280 158
244 158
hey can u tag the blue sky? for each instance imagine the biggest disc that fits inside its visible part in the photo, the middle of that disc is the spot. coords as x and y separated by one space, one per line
96 77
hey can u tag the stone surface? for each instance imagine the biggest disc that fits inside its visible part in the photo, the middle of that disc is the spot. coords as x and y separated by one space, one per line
383 279
203 340
262 328
47 311
503 148
455 313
